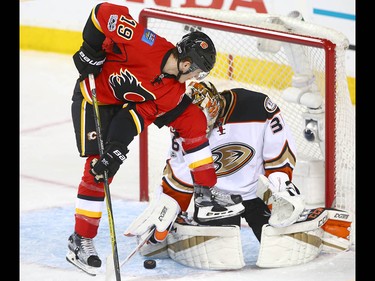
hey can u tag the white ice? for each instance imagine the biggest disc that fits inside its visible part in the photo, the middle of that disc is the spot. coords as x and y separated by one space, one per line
50 170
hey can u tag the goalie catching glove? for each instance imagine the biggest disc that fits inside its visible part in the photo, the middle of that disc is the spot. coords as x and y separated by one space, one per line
158 217
283 197
113 156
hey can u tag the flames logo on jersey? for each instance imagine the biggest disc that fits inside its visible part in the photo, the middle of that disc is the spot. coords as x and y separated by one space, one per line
126 87
231 157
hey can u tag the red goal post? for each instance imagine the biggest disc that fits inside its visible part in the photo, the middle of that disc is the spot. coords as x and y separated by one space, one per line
300 66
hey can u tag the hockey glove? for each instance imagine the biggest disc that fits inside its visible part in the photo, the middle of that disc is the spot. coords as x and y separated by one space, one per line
282 197
287 206
87 60
113 156
158 217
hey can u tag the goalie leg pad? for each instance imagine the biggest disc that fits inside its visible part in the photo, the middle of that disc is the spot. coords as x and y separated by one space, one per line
155 251
288 249
337 230
206 247
296 244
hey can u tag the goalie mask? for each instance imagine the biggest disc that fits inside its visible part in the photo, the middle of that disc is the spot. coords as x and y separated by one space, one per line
205 95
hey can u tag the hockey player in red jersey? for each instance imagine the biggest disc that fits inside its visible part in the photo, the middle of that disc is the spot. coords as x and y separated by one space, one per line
140 79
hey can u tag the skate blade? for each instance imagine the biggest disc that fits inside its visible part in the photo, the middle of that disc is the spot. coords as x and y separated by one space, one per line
71 257
206 213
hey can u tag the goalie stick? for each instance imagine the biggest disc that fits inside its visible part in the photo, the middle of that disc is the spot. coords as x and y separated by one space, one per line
110 270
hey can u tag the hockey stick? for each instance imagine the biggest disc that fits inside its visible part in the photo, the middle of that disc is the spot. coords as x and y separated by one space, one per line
106 184
139 246
135 250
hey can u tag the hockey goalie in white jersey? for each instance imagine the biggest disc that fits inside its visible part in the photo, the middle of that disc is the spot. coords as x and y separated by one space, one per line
254 155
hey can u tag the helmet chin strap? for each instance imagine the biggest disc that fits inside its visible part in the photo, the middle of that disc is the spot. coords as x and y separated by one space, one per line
177 77
180 72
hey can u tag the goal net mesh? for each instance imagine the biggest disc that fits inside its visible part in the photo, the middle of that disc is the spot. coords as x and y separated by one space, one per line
281 56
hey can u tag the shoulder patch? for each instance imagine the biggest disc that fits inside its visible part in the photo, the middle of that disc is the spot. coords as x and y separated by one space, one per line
269 105
112 22
148 37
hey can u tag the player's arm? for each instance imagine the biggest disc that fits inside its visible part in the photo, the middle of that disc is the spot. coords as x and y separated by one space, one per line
279 146
125 125
276 187
92 33
191 126
90 56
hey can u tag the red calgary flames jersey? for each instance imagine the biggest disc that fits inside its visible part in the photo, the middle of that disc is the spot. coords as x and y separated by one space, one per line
134 59
134 56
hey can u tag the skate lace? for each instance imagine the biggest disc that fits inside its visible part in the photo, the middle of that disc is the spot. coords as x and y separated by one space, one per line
88 248
220 195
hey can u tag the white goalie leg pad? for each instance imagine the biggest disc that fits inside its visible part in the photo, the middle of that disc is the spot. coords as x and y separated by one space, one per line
288 249
206 247
337 231
155 251
161 212
292 245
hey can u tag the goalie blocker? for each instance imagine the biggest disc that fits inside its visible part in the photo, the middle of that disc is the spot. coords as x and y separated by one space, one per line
161 214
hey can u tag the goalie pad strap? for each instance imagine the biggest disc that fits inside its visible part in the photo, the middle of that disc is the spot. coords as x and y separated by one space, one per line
206 247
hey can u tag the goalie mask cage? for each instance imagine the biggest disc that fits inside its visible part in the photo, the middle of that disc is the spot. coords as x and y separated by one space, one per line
275 55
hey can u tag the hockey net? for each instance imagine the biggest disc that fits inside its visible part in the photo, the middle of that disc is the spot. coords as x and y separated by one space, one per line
301 66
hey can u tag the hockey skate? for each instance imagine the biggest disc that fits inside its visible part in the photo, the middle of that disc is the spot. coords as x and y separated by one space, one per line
82 254
213 204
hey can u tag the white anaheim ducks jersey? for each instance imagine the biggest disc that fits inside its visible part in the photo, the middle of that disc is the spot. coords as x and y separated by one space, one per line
251 139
